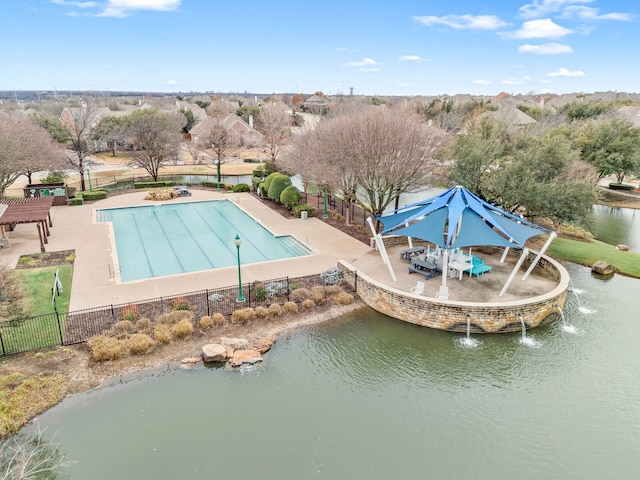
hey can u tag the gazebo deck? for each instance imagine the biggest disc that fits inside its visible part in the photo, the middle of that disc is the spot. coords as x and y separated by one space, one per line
483 289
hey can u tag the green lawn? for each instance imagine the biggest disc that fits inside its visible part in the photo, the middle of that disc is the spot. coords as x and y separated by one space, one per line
44 328
37 284
587 253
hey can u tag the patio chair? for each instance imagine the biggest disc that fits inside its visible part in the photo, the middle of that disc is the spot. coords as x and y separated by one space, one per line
418 289
479 267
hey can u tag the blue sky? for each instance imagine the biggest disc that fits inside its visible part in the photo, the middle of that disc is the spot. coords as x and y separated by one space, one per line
426 47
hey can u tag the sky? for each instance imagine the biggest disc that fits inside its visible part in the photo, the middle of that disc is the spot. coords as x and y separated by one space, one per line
372 47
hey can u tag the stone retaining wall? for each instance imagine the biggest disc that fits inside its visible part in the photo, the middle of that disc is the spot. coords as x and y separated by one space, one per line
451 315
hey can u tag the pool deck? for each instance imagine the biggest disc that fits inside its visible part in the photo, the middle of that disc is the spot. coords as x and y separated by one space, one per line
95 285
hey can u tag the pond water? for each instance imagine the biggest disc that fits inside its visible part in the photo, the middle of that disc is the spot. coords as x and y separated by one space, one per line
615 226
367 397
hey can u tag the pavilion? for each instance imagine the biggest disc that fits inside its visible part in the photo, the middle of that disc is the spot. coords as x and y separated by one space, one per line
26 210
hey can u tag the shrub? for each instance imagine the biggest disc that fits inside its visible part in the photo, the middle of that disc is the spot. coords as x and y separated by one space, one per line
162 333
308 304
130 312
206 322
300 294
182 329
275 310
317 295
75 201
332 290
275 289
218 319
267 183
143 325
140 344
304 207
174 317
260 293
290 308
344 298
255 182
161 194
159 184
258 172
250 313
332 276
290 196
94 195
124 327
621 186
104 348
241 187
216 185
180 303
262 312
239 316
278 184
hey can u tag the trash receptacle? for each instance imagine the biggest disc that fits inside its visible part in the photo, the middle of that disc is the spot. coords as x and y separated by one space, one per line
304 215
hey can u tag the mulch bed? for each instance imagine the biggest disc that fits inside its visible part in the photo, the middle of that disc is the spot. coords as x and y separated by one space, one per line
46 259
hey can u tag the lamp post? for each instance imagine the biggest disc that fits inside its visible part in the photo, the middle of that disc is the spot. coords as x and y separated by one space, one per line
237 243
324 194
89 176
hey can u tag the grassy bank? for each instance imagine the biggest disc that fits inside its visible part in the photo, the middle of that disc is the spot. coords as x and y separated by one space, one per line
587 253
37 284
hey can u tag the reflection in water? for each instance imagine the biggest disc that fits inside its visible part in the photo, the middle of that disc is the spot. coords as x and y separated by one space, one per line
615 226
366 396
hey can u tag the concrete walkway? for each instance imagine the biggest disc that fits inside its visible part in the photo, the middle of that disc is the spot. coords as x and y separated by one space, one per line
94 281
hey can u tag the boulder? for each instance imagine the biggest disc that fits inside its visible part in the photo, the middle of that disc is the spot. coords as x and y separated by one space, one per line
264 344
245 356
214 352
623 248
230 351
191 360
236 343
603 268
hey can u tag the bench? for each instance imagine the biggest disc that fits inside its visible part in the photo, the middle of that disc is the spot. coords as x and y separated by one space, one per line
427 274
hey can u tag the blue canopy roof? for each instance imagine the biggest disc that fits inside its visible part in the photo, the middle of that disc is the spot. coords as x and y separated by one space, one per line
457 218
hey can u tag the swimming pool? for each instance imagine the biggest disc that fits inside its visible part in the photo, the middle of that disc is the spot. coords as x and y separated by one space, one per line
167 239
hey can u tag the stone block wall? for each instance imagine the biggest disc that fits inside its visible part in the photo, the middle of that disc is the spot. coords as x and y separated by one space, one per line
452 315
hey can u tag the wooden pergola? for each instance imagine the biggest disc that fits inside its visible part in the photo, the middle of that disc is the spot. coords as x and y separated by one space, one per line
27 210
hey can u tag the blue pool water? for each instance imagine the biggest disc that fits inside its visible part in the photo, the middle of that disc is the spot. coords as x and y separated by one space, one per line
158 240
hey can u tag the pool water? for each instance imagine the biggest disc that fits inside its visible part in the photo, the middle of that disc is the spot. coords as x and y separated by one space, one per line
167 239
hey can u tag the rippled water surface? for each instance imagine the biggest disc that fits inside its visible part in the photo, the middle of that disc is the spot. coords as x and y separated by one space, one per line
368 397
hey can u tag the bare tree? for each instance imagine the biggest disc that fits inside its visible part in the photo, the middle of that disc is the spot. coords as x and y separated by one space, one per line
273 122
372 155
30 457
219 138
157 136
78 124
25 147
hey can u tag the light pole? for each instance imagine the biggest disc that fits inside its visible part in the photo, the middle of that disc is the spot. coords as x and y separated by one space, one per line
89 176
324 194
237 243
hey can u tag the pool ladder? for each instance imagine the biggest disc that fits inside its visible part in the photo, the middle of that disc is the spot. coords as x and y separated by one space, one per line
114 270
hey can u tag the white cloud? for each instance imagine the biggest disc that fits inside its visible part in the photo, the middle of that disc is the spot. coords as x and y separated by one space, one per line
512 81
75 4
463 22
369 69
589 13
545 49
404 84
121 8
544 28
345 49
365 62
539 8
482 82
171 82
565 72
412 58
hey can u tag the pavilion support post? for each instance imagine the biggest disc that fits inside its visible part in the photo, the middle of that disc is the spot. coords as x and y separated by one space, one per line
443 293
49 218
44 232
504 255
45 228
383 251
40 237
410 239
523 256
539 256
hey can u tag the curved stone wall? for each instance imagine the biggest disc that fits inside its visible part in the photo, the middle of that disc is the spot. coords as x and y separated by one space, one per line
451 315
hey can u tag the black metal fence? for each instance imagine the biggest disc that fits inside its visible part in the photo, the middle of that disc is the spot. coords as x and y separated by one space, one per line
337 205
70 328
